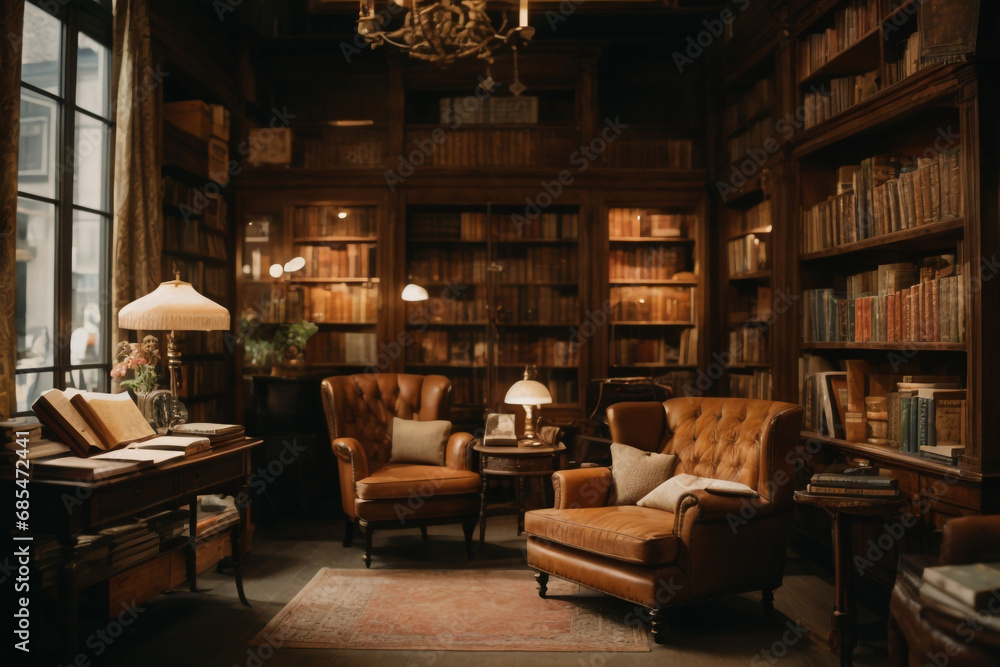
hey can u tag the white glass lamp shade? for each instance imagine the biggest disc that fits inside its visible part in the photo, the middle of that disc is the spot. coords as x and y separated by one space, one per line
414 293
527 392
174 306
294 264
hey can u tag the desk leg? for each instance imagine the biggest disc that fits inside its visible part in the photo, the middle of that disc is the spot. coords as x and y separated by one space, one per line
192 556
844 614
520 505
235 536
70 601
482 510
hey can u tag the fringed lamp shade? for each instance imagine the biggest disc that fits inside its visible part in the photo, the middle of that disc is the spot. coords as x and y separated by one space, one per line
174 306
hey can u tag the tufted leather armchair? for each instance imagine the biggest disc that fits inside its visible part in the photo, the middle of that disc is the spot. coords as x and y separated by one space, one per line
713 544
377 494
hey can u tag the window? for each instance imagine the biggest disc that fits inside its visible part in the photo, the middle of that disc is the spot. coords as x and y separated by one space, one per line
63 302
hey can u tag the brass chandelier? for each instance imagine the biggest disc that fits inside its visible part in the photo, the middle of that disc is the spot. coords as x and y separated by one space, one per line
442 31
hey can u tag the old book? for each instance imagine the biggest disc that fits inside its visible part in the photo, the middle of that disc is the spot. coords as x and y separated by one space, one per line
85 469
206 429
851 491
949 419
55 410
156 457
115 418
972 585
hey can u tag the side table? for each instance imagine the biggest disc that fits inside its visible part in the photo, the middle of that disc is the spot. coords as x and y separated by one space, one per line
519 463
844 635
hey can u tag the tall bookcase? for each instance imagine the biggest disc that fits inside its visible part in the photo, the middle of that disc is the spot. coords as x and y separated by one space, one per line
504 295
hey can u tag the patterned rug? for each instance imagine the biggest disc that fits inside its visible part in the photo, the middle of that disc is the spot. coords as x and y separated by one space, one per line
465 610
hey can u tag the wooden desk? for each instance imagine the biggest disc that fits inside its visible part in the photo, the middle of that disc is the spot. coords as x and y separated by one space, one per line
519 463
844 635
65 508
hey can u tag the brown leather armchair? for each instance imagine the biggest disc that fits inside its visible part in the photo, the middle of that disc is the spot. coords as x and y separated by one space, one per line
377 494
713 544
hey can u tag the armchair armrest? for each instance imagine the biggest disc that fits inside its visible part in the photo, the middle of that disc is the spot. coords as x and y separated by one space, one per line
702 506
970 539
350 452
584 487
458 455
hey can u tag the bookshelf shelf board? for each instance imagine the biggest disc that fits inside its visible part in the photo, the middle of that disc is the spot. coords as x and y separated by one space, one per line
763 114
655 364
929 235
537 283
749 365
905 7
651 239
197 257
449 241
881 345
883 109
357 281
539 325
327 326
548 367
447 364
334 239
860 57
634 323
529 242
648 281
463 325
756 275
893 456
743 321
335 365
751 232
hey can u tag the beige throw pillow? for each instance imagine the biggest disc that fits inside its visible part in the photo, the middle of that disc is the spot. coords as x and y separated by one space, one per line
636 473
667 495
419 442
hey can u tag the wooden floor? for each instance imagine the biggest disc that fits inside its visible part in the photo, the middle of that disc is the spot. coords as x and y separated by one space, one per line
212 628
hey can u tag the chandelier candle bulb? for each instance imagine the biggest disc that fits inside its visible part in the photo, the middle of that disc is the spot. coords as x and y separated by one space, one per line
522 18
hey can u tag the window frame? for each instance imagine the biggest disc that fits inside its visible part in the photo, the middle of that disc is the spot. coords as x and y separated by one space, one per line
94 19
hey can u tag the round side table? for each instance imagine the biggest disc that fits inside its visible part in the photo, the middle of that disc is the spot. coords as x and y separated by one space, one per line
517 462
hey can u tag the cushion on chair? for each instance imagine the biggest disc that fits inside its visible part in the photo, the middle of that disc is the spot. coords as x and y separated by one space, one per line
634 534
636 472
402 480
419 442
667 495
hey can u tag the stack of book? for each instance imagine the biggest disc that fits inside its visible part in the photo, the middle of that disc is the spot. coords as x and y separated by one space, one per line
854 486
130 542
219 435
90 556
167 524
963 590
46 558
215 515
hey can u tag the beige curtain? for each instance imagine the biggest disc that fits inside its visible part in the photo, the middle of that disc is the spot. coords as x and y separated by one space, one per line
138 223
11 27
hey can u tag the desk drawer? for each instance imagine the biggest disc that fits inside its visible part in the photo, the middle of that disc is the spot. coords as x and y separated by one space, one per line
128 498
212 473
511 465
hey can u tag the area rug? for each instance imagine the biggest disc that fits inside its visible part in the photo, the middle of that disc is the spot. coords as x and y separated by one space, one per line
491 610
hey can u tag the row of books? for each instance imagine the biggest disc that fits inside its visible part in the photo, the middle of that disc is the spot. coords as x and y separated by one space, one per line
449 348
477 147
475 225
907 61
537 305
749 104
350 260
752 307
447 311
641 151
756 218
854 483
851 22
628 351
546 351
358 146
648 263
885 195
748 254
756 385
542 264
927 421
333 221
341 347
629 223
838 95
193 202
496 110
205 377
181 236
751 139
215 283
748 344
331 303
652 304
681 383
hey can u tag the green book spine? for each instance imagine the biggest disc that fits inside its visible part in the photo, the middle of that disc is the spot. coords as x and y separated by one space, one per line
914 425
922 421
904 423
931 422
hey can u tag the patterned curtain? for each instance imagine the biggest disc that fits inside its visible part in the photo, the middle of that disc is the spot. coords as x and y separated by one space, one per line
11 27
138 223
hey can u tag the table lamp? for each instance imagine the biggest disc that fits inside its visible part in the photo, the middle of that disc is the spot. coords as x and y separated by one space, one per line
528 393
174 306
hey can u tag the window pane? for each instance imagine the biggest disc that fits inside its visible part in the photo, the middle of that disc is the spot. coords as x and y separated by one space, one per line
34 283
36 158
92 76
88 338
91 163
29 386
41 50
87 379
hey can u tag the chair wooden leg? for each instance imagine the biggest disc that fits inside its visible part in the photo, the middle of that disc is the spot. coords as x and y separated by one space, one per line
348 531
656 625
767 600
423 532
468 528
543 583
368 531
